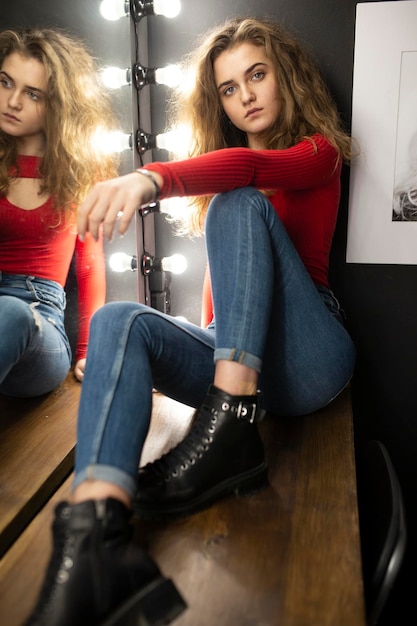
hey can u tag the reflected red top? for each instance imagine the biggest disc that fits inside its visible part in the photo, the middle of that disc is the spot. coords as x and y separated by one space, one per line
34 243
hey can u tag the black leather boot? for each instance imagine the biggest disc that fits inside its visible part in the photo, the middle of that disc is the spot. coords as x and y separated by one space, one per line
96 575
222 454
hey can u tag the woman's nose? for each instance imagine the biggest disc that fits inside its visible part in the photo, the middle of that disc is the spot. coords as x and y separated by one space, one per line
15 101
246 95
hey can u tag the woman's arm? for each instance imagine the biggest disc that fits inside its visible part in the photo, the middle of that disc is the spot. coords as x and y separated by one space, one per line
91 282
311 163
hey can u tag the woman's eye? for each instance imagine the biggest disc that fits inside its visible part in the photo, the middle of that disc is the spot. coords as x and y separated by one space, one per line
258 76
33 96
228 91
5 83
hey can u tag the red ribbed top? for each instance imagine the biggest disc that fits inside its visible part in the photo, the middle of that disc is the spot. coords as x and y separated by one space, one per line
31 244
305 178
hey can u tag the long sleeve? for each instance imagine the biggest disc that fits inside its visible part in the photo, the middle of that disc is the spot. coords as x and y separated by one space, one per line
309 164
303 184
91 281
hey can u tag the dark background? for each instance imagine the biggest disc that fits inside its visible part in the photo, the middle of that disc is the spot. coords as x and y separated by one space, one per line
379 300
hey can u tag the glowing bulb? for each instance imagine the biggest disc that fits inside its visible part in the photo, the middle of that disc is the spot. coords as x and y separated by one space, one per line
142 76
170 75
113 10
114 77
170 140
174 207
177 140
121 262
168 8
170 206
177 263
108 142
165 141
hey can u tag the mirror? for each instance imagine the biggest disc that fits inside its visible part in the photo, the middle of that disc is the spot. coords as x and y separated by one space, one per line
109 43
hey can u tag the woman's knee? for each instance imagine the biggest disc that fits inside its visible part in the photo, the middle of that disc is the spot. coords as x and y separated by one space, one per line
14 313
228 206
117 319
116 313
234 198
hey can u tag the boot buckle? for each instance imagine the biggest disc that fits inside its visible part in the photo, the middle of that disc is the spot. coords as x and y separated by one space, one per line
246 411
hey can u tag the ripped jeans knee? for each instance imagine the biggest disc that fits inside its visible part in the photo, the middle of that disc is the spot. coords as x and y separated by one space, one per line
34 353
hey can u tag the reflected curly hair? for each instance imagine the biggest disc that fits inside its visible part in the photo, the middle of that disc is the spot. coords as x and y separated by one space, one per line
306 105
76 107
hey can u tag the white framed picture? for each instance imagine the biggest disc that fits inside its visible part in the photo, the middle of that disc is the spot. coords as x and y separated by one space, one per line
382 221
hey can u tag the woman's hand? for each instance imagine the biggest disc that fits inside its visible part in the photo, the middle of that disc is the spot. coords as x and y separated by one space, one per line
79 369
115 200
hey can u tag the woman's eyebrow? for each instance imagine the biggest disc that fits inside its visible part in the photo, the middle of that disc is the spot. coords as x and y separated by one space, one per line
248 71
26 87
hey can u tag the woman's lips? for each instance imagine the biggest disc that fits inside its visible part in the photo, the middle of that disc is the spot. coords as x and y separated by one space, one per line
11 118
252 112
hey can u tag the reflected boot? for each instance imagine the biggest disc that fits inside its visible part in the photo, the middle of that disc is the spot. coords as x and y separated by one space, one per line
222 454
97 575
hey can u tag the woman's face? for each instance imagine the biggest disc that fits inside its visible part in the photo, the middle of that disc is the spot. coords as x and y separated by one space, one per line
248 90
23 85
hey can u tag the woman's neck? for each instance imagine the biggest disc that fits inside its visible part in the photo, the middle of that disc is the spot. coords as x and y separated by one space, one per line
31 146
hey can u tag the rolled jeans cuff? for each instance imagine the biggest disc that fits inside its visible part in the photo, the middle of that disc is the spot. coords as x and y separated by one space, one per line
108 474
238 356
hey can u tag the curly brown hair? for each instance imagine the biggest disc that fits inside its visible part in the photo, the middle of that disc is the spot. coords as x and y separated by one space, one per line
306 104
77 107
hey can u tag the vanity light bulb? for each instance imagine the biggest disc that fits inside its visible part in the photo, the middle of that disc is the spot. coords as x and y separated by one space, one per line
176 140
170 75
173 207
114 77
108 142
113 10
122 262
168 8
177 263
169 140
115 141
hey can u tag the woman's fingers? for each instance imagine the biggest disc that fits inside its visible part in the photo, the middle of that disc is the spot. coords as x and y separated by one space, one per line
110 202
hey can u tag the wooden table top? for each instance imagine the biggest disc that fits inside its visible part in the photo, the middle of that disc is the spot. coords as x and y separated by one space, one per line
287 556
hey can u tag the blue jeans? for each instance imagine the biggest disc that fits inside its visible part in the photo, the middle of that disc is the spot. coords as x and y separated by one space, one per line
268 315
35 355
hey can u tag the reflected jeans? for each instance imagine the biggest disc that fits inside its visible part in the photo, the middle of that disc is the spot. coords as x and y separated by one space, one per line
35 355
268 315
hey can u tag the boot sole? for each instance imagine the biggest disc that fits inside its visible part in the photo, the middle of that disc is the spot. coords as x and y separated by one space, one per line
244 485
157 604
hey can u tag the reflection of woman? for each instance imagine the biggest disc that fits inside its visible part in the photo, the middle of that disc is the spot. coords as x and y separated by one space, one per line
262 120
51 103
405 194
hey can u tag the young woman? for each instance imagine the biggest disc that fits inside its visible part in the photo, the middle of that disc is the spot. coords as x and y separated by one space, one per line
51 104
265 168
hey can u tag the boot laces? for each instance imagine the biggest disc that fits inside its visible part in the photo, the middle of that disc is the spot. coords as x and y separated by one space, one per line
186 453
